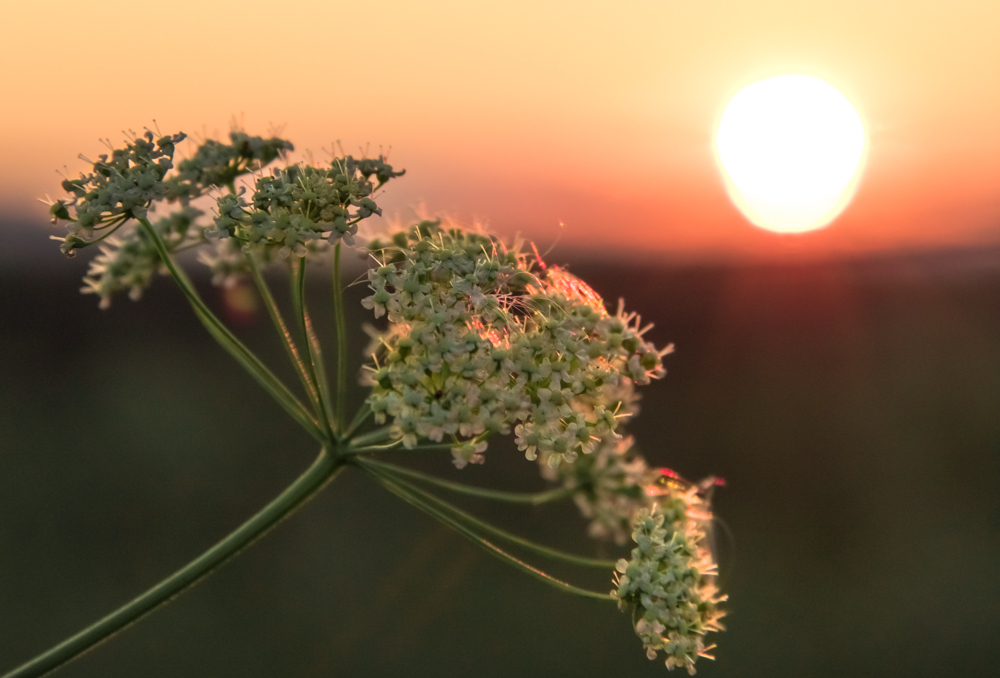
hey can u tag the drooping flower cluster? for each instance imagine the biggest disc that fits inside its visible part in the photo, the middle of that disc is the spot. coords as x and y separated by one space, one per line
122 186
129 260
300 204
228 263
669 581
484 339
609 486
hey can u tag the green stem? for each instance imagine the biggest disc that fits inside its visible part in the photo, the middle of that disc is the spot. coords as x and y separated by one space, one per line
286 337
233 345
360 417
315 353
338 311
250 363
306 486
409 497
396 446
532 498
88 243
545 551
361 443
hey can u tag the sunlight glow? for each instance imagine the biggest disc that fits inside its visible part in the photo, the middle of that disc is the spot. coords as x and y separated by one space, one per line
791 149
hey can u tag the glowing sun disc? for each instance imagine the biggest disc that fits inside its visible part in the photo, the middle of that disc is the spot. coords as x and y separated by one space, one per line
791 149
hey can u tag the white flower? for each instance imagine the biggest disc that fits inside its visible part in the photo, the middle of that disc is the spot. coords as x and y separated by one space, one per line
670 578
128 260
546 359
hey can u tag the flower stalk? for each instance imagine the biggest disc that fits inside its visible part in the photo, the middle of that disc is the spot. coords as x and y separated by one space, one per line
284 335
414 498
234 346
322 471
530 498
381 472
338 311
315 366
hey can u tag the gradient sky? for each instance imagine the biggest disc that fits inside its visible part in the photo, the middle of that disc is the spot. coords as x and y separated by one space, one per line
525 114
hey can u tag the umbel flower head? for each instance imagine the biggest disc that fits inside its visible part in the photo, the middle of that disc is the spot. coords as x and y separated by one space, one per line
485 339
669 581
127 183
121 186
216 164
300 204
297 210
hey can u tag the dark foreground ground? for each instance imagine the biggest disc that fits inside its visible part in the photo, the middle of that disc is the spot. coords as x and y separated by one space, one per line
853 408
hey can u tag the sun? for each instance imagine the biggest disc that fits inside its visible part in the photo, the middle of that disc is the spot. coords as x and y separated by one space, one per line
791 149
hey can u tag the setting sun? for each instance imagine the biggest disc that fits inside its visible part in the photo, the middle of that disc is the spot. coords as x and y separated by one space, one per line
791 149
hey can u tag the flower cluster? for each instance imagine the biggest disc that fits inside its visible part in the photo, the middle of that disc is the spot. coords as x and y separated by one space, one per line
291 210
670 579
483 339
294 206
122 186
129 260
447 364
609 486
227 262
216 164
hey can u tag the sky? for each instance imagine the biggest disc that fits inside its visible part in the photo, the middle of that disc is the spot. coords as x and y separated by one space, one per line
586 122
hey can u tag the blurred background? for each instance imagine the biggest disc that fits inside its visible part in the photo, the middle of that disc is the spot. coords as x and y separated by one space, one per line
845 382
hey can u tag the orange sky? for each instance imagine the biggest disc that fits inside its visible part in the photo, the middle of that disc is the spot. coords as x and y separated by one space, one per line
526 114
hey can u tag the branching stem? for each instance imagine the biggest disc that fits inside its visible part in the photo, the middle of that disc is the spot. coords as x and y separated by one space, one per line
286 337
234 346
362 443
411 497
459 514
298 493
315 364
395 446
360 417
338 311
532 498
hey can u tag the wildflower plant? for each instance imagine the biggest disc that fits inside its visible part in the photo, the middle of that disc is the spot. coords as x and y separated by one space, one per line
481 338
